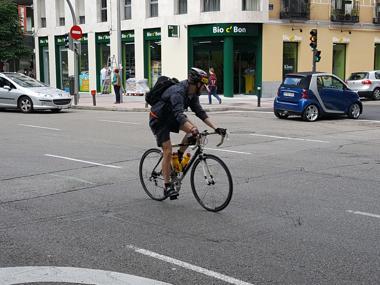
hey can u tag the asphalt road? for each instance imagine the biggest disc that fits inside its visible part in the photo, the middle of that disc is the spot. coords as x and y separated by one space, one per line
305 208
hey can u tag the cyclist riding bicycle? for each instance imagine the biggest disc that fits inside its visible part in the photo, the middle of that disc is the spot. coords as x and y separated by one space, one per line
167 115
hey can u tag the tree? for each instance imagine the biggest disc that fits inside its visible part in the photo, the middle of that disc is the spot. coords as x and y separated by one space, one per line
12 44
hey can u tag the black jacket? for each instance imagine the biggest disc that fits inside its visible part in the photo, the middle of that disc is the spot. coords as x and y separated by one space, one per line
173 103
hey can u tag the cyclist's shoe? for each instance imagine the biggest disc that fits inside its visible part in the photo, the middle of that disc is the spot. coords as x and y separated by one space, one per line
171 192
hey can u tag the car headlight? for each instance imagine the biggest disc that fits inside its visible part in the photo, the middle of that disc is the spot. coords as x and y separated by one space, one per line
47 96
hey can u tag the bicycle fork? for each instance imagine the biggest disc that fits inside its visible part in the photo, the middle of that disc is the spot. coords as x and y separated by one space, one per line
207 174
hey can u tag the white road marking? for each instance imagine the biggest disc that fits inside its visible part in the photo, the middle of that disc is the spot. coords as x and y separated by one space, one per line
39 127
72 178
371 121
48 274
189 266
364 214
119 122
288 138
225 150
84 161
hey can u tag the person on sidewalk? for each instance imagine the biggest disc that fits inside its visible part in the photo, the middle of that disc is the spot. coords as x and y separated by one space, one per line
116 82
212 87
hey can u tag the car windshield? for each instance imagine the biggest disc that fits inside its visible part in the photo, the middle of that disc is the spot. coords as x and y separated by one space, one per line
298 81
358 76
25 81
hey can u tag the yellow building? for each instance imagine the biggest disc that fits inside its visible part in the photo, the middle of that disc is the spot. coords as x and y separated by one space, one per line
348 38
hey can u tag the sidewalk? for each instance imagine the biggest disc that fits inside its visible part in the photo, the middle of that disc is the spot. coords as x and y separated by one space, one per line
137 103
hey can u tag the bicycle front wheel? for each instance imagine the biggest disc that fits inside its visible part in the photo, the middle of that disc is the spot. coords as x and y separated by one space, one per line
211 182
150 173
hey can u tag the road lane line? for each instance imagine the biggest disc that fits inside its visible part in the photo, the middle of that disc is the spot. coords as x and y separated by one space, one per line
371 121
225 150
84 161
189 266
363 214
119 122
39 127
288 138
49 274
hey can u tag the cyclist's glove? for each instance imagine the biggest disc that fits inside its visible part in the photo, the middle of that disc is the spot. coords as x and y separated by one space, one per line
221 131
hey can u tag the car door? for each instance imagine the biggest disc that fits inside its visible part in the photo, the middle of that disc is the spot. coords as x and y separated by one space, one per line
8 97
331 91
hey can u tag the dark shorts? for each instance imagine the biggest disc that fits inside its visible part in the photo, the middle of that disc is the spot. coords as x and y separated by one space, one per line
161 129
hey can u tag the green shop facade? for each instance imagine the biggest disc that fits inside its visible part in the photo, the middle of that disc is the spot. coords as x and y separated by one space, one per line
233 50
43 44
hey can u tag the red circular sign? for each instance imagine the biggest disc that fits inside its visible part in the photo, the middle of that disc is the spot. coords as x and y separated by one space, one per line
76 32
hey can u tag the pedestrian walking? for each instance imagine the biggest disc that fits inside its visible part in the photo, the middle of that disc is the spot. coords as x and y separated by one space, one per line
116 82
212 87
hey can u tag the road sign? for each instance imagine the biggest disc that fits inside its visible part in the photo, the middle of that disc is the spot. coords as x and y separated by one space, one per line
76 32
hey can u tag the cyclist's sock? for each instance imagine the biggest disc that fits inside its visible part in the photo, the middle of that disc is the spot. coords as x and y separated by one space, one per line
167 185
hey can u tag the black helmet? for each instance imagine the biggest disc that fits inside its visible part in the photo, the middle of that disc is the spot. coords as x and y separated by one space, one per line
197 75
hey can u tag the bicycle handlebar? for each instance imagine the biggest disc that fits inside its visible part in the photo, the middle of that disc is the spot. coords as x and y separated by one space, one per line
206 133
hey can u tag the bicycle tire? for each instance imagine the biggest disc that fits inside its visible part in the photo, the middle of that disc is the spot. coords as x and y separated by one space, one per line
152 184
223 176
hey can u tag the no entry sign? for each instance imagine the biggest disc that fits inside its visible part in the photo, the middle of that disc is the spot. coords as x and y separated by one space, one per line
76 32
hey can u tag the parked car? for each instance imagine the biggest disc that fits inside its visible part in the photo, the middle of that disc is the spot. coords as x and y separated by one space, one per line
27 94
367 83
312 95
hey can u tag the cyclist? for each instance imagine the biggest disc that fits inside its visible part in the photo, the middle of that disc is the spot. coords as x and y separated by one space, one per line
167 115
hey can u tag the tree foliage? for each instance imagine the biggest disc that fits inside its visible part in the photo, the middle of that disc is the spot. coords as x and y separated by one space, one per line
12 44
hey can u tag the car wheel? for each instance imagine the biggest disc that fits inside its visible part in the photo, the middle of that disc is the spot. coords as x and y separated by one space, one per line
354 111
25 104
311 113
376 94
281 114
56 110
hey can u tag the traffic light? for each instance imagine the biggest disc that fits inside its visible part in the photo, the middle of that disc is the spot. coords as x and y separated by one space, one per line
314 38
77 48
68 42
317 56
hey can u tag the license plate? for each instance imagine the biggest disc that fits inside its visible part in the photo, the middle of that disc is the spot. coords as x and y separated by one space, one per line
288 94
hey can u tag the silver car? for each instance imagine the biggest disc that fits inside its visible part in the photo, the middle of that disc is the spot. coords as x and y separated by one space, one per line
27 94
367 83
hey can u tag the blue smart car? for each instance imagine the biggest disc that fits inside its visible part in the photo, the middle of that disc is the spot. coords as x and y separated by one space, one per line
313 95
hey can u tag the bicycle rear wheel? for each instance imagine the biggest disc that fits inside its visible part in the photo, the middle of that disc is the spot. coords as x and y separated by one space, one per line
151 174
211 182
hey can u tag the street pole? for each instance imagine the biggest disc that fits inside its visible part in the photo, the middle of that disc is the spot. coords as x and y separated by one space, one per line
118 34
76 72
314 62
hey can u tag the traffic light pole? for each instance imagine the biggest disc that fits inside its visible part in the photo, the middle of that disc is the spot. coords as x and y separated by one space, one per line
76 73
314 62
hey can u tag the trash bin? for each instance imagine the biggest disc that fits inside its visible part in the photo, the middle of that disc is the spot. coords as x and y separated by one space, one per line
72 85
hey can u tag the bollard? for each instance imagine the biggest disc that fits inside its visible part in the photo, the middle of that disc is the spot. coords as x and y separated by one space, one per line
72 89
258 96
93 94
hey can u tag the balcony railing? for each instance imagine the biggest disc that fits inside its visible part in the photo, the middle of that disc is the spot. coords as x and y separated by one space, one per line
295 9
376 19
347 12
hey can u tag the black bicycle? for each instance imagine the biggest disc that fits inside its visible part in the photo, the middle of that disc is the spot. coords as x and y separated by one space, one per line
210 178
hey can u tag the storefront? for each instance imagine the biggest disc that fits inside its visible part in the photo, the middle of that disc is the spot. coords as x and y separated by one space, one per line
103 53
44 59
233 50
339 60
62 64
290 58
84 81
128 46
152 55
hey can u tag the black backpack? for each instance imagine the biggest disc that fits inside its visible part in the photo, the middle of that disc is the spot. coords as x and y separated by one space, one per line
163 83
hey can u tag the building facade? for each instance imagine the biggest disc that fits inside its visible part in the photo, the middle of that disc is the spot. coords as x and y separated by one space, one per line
250 43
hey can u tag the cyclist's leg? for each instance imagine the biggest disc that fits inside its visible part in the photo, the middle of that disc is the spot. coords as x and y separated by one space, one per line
166 160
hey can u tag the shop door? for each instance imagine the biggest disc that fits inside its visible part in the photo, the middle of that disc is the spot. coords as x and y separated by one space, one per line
209 53
290 58
63 66
244 67
84 84
103 55
45 67
154 61
129 61
339 60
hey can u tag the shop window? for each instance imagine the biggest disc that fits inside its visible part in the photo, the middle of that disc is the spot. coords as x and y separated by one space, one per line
211 5
83 69
80 11
181 7
127 9
377 57
251 5
290 58
153 8
339 60
103 11
60 12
